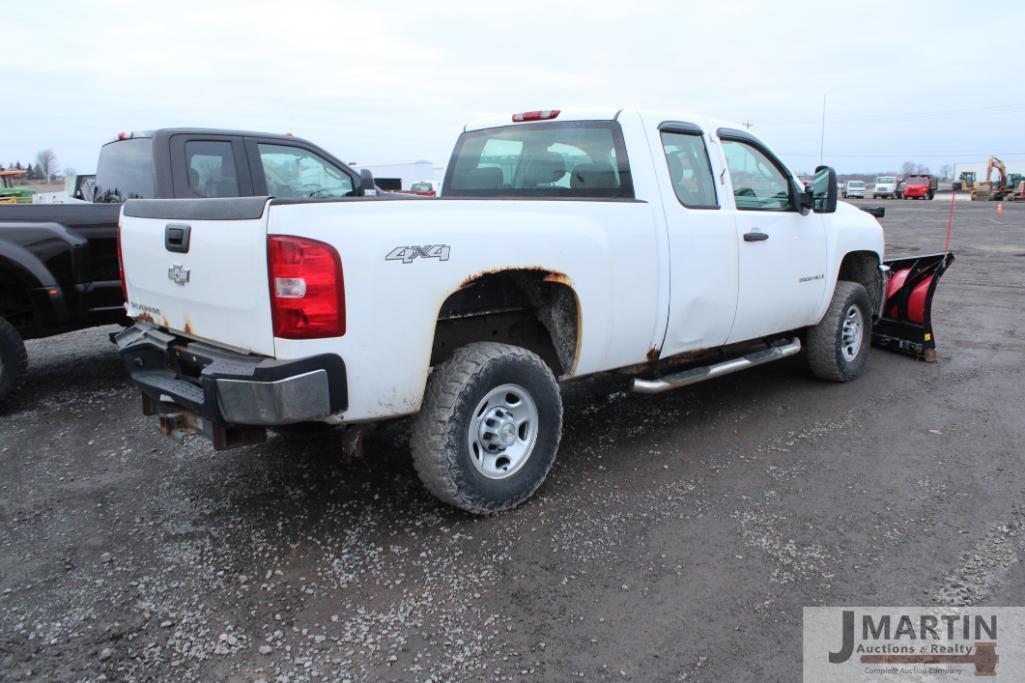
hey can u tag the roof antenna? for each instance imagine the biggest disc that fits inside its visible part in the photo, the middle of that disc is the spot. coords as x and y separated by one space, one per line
822 138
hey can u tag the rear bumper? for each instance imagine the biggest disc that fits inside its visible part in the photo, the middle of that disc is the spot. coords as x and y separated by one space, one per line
228 388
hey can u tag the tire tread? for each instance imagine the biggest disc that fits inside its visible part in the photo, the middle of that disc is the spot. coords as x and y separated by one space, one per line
13 349
822 351
433 434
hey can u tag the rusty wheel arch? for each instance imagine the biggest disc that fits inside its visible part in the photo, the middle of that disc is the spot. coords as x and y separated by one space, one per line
533 307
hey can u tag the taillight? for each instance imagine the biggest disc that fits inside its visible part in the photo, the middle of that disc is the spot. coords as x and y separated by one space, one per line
121 265
306 288
544 115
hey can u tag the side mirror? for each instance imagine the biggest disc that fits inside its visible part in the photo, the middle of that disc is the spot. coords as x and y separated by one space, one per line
824 190
367 187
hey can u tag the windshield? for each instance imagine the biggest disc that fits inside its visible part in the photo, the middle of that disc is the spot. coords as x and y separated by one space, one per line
885 181
571 159
856 185
918 181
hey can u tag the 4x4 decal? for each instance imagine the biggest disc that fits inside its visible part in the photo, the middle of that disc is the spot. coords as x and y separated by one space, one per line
408 254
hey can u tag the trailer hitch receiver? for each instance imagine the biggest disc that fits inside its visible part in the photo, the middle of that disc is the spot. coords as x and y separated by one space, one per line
905 321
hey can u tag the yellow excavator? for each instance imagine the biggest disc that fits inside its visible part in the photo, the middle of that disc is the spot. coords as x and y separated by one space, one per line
1011 188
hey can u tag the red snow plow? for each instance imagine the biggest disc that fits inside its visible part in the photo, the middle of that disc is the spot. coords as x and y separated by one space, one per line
905 322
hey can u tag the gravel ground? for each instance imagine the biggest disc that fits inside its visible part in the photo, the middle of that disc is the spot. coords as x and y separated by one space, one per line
677 538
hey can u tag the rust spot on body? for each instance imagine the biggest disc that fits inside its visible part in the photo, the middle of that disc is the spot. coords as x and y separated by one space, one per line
653 354
549 275
561 278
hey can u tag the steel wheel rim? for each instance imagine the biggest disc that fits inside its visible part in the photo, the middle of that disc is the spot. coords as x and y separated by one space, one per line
851 333
502 432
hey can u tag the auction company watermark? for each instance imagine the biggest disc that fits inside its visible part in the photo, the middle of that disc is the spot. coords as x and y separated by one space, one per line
920 644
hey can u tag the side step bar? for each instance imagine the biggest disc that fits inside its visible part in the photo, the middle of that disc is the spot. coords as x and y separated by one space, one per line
695 375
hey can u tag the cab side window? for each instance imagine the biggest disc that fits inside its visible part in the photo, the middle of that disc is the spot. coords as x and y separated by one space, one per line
758 184
296 173
211 168
690 170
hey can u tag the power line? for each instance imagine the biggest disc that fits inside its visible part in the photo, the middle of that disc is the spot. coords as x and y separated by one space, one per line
935 115
1007 156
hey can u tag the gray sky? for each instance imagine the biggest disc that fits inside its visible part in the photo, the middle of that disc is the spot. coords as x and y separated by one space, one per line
929 82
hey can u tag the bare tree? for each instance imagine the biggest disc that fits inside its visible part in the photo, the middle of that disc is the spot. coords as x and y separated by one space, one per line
69 172
46 161
907 168
946 172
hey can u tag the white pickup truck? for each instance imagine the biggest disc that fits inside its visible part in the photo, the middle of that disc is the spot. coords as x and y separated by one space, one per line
671 247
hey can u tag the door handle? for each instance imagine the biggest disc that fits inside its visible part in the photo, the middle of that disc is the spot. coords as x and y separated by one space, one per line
755 236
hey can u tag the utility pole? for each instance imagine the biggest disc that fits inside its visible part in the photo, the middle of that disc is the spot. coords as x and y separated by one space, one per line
747 124
822 137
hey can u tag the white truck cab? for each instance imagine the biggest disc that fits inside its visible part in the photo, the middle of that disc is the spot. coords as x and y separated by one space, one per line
670 246
885 187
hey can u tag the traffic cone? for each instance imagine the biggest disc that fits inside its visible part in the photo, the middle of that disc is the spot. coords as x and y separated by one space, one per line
1000 209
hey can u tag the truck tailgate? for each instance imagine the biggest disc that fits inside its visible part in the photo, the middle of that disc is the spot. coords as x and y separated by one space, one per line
199 267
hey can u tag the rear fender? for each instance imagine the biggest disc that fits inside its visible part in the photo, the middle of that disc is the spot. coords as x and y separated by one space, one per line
905 322
25 266
42 291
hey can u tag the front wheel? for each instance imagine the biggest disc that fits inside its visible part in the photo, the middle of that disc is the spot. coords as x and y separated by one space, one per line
489 428
13 361
838 345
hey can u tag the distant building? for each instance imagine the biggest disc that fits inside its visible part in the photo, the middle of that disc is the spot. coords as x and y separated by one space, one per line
399 175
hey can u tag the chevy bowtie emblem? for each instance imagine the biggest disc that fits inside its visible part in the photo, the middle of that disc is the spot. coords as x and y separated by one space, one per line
178 274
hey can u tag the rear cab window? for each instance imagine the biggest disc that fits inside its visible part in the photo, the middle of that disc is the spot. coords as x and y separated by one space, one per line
125 171
567 159
689 169
211 168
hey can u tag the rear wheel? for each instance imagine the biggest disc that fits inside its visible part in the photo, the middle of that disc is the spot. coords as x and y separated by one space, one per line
838 345
13 361
489 428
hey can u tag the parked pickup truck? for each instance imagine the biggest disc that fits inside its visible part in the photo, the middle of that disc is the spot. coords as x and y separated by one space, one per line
672 248
854 189
58 262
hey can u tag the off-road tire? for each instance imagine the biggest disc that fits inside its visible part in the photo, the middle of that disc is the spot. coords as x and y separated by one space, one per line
13 362
825 355
439 440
